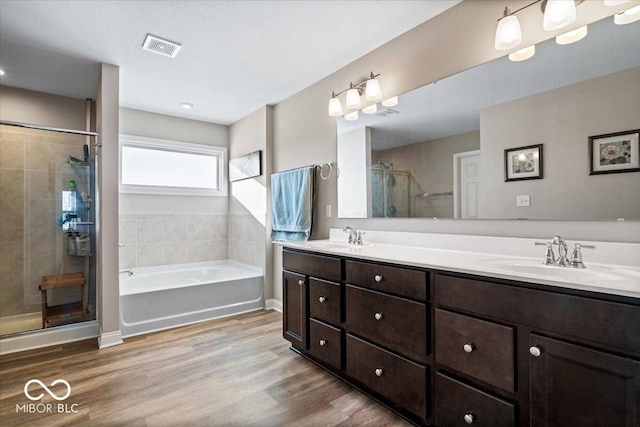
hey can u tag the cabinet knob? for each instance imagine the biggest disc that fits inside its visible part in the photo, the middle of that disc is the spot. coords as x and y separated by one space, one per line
378 278
469 418
322 343
468 348
322 299
378 316
379 372
535 351
300 282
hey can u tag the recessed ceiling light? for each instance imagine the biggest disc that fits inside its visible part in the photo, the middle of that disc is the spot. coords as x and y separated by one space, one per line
186 105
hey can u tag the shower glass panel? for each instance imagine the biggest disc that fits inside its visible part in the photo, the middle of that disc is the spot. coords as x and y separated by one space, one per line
47 231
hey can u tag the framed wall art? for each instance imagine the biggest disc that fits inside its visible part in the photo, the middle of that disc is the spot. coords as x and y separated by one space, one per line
614 153
246 166
523 163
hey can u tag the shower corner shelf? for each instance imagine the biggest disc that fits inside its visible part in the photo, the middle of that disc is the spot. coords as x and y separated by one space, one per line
63 311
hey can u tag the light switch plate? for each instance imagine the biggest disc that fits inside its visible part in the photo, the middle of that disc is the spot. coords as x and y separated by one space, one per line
523 200
327 211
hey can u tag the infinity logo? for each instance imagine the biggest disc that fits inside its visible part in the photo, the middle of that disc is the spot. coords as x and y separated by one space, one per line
52 394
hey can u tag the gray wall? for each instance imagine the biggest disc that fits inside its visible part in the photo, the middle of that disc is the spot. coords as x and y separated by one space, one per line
562 120
249 224
460 38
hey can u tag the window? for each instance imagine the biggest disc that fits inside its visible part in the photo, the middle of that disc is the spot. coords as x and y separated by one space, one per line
157 166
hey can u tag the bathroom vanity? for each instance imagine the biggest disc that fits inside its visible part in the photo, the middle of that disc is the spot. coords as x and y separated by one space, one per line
443 346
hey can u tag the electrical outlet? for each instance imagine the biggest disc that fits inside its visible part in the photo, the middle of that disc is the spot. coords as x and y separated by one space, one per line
327 211
523 200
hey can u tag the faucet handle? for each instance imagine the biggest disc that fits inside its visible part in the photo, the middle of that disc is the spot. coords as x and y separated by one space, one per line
359 238
576 256
549 256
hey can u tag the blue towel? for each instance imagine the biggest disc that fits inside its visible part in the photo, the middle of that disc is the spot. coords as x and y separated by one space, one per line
292 202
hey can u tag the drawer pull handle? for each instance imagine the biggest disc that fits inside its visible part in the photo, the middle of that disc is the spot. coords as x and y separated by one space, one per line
322 343
378 278
322 299
535 351
378 316
379 372
300 282
468 348
469 418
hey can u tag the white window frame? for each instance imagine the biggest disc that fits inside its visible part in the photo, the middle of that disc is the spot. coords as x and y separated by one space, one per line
178 147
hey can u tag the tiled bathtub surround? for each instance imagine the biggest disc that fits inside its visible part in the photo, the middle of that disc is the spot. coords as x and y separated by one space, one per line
246 239
32 177
163 239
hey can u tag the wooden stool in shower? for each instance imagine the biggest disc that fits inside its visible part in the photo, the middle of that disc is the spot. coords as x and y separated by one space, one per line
62 311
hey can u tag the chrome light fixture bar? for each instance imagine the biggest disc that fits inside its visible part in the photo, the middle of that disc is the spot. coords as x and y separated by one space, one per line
371 89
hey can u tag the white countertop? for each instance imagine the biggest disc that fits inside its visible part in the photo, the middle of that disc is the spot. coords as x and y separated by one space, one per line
606 278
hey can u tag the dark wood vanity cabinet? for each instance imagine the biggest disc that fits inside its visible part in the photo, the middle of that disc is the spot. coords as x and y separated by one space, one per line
558 357
451 349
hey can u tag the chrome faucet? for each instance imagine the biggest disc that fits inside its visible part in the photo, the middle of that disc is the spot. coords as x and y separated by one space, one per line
128 271
562 260
355 236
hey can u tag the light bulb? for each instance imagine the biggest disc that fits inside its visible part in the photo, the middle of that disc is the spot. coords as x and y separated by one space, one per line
335 107
390 102
353 99
508 33
2 72
372 90
523 54
628 16
558 14
371 109
572 36
352 116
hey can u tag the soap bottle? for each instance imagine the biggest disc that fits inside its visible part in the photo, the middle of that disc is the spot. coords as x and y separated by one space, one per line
83 245
71 248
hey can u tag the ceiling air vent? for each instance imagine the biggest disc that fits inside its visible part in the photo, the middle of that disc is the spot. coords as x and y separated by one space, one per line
163 47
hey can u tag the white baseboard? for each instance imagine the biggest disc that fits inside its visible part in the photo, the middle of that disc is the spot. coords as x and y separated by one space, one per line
273 304
109 339
48 337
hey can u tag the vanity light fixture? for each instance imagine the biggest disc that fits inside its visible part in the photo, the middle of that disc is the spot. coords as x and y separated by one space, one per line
557 14
572 36
370 87
628 16
371 109
390 102
523 54
352 116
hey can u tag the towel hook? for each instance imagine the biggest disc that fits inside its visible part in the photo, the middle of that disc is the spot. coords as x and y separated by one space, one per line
322 167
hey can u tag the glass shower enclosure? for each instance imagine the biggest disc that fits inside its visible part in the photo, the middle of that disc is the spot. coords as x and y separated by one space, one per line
47 227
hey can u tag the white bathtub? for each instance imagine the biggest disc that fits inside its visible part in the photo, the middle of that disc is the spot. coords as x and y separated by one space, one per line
156 298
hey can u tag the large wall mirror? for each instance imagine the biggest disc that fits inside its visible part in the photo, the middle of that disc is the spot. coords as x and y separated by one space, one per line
506 140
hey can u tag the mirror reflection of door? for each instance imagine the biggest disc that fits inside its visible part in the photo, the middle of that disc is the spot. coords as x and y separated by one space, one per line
466 184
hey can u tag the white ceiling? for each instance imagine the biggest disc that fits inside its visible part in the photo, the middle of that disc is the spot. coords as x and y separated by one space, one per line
236 57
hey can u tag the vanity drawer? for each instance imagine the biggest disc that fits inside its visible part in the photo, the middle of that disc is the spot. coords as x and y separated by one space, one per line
396 323
324 267
325 301
395 280
398 379
481 349
602 322
325 343
458 404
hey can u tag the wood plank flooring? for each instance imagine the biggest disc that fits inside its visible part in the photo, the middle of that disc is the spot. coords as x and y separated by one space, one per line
236 371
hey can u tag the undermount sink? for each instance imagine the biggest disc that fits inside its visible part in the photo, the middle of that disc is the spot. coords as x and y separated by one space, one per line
331 244
589 274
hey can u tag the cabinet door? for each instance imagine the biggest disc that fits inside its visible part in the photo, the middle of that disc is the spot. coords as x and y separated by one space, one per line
294 313
576 386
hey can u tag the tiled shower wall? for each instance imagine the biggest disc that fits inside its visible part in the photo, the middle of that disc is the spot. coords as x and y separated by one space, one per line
32 177
163 239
